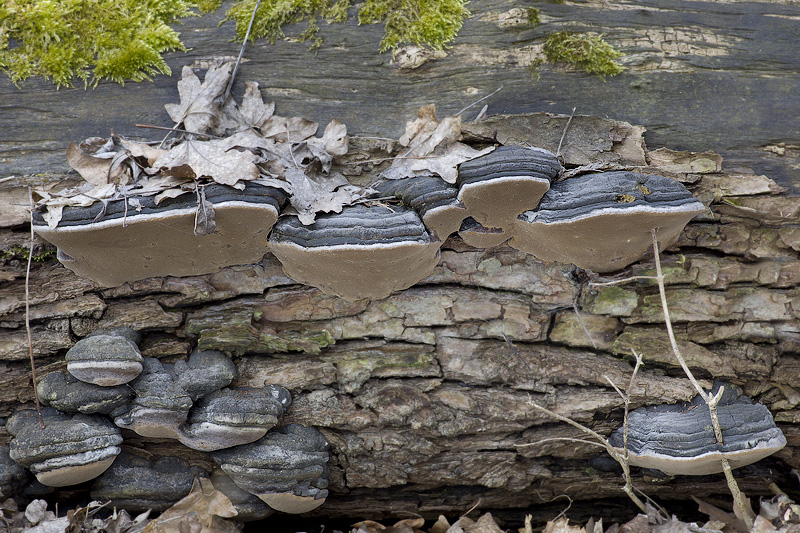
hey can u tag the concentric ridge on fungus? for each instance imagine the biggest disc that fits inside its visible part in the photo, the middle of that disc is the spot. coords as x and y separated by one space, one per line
70 449
362 252
678 439
434 199
287 468
500 185
104 359
602 222
113 243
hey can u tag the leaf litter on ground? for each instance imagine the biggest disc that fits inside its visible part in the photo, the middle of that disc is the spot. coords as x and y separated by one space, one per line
231 144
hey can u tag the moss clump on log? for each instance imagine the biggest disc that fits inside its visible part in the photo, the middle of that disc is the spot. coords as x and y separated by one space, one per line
585 51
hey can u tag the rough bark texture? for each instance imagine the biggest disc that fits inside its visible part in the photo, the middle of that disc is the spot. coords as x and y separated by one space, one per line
424 401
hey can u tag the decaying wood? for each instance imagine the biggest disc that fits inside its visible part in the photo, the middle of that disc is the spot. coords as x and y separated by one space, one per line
422 399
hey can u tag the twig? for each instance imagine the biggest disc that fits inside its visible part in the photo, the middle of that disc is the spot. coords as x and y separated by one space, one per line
28 311
711 400
241 53
516 352
479 101
563 135
620 281
179 130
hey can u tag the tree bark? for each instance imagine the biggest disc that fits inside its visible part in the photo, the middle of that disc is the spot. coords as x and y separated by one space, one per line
426 396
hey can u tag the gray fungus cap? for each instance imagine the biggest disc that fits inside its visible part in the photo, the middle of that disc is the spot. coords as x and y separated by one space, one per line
678 439
287 468
70 449
105 360
66 393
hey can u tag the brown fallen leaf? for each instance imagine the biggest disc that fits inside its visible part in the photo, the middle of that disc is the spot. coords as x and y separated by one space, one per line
293 130
100 169
200 107
433 148
441 525
210 159
205 221
141 150
203 510
253 111
562 526
484 524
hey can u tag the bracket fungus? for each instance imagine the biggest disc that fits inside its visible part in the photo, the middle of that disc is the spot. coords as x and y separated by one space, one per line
679 440
70 449
231 417
65 392
287 468
362 252
160 406
114 242
138 482
12 476
500 185
105 359
479 236
204 372
248 506
602 222
434 199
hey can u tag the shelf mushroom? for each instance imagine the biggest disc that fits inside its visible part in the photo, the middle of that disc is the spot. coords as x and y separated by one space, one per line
65 392
287 468
69 450
138 482
434 199
678 439
602 222
362 252
479 236
232 417
500 185
105 359
114 242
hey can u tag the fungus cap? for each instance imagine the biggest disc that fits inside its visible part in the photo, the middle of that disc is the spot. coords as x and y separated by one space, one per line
287 468
479 236
105 360
138 481
66 393
679 440
435 200
362 252
500 185
204 372
602 222
113 243
69 450
232 417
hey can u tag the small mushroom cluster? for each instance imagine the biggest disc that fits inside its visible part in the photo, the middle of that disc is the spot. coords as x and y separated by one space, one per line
597 221
188 401
678 439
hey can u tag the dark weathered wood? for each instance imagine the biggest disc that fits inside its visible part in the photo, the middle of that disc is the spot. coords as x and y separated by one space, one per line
701 76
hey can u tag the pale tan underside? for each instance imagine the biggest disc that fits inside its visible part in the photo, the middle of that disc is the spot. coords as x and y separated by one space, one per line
290 503
73 475
110 254
358 271
496 203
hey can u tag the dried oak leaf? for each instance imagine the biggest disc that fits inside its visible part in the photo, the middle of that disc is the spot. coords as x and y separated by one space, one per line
142 150
253 111
213 159
322 193
203 510
433 148
200 106
98 167
293 129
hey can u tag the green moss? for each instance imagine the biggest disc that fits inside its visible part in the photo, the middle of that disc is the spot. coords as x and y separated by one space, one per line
89 40
583 50
427 22
533 17
22 253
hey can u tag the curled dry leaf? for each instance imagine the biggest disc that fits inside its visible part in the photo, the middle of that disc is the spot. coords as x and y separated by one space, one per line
293 130
99 169
142 150
203 510
200 105
253 111
433 148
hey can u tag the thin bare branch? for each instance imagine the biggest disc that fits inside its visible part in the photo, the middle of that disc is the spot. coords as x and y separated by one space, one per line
516 352
179 130
580 321
479 101
620 281
28 311
241 53
564 134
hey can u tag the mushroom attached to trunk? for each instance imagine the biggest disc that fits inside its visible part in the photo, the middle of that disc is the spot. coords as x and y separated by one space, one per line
231 417
104 359
678 439
204 372
287 468
138 481
114 242
66 393
362 252
500 185
479 236
70 449
602 222
434 199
